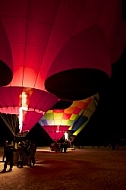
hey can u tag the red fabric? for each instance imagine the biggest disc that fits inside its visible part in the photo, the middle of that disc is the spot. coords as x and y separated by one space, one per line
55 132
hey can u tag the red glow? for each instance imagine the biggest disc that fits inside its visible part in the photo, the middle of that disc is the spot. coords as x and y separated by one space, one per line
52 131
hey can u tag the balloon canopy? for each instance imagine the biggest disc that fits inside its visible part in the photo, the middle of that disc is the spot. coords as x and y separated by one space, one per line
56 50
57 122
26 103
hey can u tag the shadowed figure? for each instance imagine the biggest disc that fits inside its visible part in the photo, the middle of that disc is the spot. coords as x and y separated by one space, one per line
9 149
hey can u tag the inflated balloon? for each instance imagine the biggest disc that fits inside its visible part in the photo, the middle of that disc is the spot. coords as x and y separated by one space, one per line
57 122
56 50
97 40
29 104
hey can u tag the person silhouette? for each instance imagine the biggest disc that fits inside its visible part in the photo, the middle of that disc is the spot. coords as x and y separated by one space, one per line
9 149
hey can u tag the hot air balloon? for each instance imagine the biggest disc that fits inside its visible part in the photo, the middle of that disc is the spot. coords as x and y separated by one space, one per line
55 50
58 123
26 103
83 65
27 34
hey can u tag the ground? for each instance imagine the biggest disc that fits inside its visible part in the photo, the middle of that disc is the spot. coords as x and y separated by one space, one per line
80 169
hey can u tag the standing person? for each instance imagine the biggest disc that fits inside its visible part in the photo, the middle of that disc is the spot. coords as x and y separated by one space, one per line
61 147
65 146
20 160
27 151
9 156
4 149
33 151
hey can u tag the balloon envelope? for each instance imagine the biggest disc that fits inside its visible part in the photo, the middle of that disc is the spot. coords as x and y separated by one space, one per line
57 122
62 47
28 104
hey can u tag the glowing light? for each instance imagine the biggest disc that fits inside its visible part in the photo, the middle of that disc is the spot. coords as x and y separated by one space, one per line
24 107
66 135
57 130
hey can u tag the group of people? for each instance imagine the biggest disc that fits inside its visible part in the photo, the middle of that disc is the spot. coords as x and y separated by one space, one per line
19 153
26 153
59 146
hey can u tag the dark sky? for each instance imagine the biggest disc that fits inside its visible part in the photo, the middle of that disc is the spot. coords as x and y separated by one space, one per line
110 115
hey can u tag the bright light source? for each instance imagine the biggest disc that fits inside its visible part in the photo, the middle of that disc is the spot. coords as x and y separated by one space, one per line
66 135
24 107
